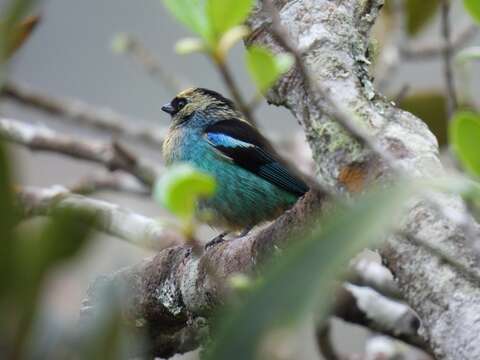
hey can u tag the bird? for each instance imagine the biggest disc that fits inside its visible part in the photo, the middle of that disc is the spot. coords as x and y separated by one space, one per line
254 184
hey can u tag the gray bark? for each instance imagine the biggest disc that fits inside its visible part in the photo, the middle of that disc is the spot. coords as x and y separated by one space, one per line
333 39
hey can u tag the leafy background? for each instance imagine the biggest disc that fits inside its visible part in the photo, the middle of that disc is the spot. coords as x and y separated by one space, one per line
69 55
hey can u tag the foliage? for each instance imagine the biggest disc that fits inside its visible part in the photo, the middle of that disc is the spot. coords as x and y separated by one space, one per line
212 20
419 14
473 7
465 137
179 190
27 257
300 279
265 68
15 29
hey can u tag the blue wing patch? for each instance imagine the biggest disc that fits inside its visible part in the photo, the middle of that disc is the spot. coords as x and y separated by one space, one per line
246 147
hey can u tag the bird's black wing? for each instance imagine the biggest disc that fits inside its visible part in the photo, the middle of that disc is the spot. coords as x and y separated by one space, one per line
246 147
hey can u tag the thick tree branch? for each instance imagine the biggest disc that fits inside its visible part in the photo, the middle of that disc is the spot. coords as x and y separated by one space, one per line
333 40
111 219
82 114
111 155
174 288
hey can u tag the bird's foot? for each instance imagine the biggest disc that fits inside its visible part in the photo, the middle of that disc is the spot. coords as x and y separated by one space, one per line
216 240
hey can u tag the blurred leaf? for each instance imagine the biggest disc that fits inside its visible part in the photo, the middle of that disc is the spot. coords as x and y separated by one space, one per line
7 220
180 188
192 14
419 14
60 238
265 68
103 334
302 277
473 7
13 30
431 107
63 235
226 14
465 140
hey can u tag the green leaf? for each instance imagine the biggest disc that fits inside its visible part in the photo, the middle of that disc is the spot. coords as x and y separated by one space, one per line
431 107
192 14
419 14
226 14
301 278
465 139
473 7
180 188
14 31
265 68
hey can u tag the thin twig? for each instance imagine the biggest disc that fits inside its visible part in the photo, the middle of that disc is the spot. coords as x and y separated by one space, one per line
102 181
235 91
452 102
110 218
83 114
429 51
135 48
111 155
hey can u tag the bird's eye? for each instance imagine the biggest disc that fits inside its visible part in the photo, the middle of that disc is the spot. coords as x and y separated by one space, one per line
179 103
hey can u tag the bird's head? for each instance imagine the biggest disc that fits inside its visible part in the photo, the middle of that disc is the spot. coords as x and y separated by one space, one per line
195 100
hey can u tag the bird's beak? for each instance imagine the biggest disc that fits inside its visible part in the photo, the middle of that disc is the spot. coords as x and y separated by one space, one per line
168 108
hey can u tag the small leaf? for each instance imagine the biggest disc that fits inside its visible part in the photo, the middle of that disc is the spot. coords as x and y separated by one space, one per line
226 14
192 14
465 139
473 7
265 68
189 45
419 14
181 187
301 279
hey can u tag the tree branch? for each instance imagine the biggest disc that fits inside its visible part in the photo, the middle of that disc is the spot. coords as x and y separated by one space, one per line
109 181
111 155
110 219
176 287
80 113
333 50
365 307
452 101
429 51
